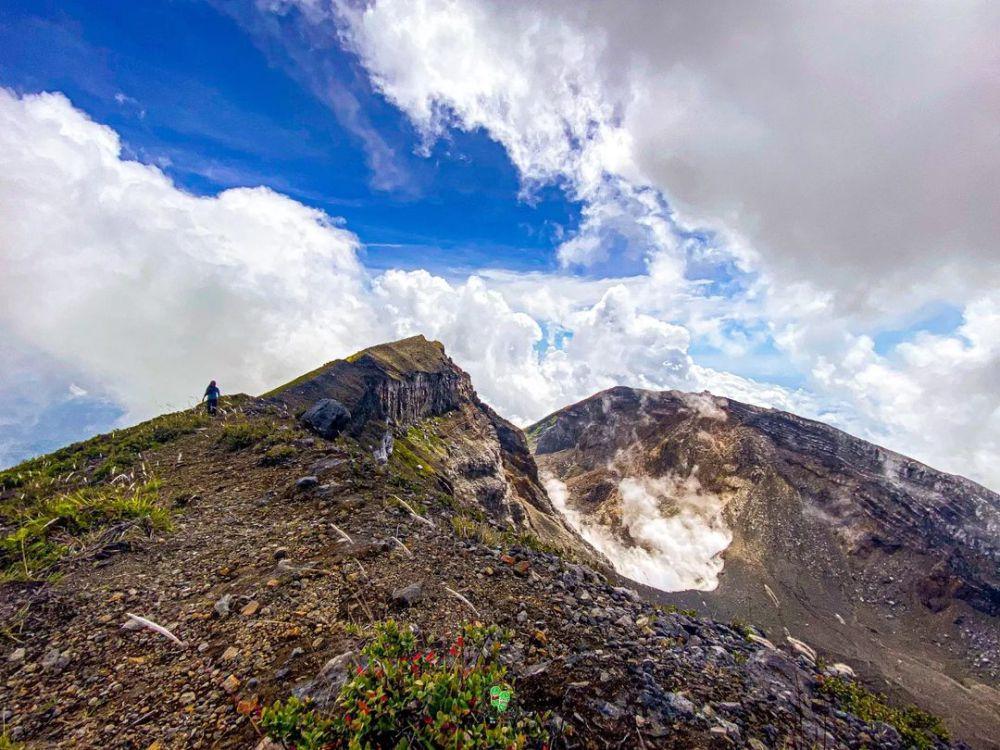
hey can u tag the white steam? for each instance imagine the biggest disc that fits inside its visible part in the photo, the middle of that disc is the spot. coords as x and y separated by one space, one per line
674 551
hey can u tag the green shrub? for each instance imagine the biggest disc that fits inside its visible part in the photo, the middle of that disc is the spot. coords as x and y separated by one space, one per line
406 695
742 628
918 728
294 724
278 454
242 434
49 530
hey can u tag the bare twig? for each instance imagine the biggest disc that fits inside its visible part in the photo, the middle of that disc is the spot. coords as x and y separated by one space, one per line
462 599
412 512
155 628
405 548
342 533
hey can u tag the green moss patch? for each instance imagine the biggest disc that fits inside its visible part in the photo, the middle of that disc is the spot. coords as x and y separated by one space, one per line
918 728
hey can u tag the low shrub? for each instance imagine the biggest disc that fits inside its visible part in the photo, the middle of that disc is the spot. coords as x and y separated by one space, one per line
278 454
242 434
406 695
918 728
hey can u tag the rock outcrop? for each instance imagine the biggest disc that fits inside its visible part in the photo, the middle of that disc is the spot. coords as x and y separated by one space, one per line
869 556
387 394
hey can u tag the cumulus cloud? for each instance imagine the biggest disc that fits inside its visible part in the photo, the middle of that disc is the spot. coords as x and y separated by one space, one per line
139 293
146 291
149 290
851 145
671 534
841 155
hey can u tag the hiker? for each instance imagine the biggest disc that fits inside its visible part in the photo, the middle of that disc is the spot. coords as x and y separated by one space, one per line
212 394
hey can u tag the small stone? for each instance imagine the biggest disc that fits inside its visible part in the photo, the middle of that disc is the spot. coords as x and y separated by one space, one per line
187 697
222 606
203 647
54 661
325 687
230 653
250 609
17 655
306 483
521 568
522 616
231 684
408 595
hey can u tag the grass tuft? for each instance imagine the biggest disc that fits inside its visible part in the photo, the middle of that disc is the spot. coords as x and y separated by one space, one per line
56 527
243 433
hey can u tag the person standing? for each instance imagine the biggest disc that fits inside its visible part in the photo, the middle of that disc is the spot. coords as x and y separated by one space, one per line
212 397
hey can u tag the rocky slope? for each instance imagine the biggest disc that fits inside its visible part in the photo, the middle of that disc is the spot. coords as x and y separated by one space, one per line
269 551
868 556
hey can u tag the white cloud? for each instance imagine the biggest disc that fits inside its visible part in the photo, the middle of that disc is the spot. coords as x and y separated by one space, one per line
844 154
852 145
149 290
144 292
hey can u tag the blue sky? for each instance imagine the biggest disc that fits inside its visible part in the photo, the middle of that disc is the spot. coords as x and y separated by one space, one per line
569 197
189 89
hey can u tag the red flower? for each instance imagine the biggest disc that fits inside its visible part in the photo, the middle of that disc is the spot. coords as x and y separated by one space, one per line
460 641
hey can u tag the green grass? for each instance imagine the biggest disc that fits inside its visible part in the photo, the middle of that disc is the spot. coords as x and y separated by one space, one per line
918 728
300 379
52 529
101 456
278 455
674 610
407 694
243 433
468 526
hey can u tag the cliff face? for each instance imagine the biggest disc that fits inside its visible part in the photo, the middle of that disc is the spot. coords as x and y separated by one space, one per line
865 554
403 394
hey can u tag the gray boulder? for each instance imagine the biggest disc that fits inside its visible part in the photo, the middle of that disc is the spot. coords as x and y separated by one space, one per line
324 688
407 596
327 418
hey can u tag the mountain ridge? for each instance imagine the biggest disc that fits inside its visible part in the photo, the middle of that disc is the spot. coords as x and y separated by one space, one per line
271 552
856 542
